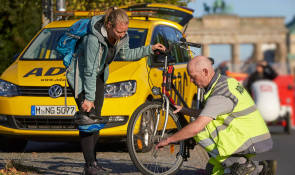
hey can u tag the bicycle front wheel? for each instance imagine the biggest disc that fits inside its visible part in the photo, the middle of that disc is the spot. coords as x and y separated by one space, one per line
145 131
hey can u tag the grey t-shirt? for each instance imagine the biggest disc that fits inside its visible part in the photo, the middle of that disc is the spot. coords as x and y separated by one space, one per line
217 105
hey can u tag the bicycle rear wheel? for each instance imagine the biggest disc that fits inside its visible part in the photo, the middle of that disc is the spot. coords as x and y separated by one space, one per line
142 139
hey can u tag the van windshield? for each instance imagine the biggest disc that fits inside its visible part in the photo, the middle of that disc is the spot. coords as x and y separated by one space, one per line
43 46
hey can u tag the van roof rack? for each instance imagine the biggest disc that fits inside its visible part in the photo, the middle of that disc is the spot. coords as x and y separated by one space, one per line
134 14
78 13
174 13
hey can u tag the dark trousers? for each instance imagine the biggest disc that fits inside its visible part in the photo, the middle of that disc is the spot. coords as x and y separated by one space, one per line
88 140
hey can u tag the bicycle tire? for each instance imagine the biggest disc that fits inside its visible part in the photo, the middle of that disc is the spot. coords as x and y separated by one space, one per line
143 156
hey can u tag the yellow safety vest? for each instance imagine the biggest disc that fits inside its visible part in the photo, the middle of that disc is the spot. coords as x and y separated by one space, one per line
237 131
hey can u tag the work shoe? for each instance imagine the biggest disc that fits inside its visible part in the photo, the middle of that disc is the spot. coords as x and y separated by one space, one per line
267 167
81 118
94 169
243 169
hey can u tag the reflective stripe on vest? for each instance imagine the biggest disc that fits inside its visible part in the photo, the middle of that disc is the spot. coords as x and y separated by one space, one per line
208 141
231 117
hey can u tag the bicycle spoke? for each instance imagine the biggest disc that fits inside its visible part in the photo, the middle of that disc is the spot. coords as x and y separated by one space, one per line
166 160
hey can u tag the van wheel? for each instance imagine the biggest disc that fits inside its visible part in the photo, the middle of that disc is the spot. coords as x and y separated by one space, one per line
12 144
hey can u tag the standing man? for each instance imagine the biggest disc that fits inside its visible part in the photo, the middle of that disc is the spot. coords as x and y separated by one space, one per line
107 39
229 127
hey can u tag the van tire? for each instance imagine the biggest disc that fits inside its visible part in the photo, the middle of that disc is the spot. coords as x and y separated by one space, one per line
12 144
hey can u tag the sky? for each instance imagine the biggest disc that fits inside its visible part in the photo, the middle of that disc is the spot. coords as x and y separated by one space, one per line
246 8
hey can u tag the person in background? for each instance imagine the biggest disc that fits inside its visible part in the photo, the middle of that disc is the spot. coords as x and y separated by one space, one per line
223 68
107 39
263 71
228 127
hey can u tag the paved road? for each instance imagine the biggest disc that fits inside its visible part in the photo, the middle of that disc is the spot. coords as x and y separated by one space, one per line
65 158
283 151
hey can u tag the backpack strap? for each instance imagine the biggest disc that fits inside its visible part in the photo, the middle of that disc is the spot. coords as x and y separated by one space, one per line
65 89
76 77
76 82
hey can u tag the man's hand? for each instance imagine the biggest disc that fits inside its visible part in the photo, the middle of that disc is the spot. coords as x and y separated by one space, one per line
158 46
87 105
162 143
178 108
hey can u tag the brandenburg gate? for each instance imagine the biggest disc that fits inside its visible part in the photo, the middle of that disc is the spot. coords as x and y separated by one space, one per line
235 30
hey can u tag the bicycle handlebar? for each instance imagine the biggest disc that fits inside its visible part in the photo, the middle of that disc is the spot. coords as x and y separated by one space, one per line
193 44
181 42
186 43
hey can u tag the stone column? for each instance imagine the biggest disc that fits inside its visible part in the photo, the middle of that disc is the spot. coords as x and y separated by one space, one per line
281 52
235 50
281 57
205 50
258 54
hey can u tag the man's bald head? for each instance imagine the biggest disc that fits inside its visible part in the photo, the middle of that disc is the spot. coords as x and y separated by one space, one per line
200 70
198 63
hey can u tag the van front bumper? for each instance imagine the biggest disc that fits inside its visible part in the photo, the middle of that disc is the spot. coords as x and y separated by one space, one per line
31 126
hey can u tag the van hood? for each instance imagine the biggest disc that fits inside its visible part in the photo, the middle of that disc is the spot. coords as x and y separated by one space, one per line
35 73
47 73
126 70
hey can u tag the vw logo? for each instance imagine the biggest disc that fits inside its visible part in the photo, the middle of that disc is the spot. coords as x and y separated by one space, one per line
55 91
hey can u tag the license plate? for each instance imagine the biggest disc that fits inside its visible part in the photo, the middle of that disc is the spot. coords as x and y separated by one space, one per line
53 110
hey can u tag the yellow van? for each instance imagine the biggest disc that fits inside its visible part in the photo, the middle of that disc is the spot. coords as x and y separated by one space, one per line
32 93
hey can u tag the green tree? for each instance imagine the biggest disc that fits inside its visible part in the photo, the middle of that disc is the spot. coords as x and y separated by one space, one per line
20 20
103 4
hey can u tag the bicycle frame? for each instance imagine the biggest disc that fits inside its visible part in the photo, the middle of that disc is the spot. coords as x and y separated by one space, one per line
167 85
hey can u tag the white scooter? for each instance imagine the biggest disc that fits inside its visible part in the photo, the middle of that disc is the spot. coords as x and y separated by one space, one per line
266 96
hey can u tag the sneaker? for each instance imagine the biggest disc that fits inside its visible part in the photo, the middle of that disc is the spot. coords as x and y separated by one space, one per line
243 169
98 165
267 168
94 169
80 118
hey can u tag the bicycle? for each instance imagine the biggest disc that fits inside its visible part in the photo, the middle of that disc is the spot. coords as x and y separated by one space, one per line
154 121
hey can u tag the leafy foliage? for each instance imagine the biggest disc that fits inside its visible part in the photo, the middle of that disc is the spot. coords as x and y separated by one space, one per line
103 4
17 167
20 20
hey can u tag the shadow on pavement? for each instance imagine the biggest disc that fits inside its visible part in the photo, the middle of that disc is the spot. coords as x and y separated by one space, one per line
102 146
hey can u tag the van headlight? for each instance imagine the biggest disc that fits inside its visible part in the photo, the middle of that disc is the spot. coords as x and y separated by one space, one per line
8 89
120 89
